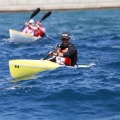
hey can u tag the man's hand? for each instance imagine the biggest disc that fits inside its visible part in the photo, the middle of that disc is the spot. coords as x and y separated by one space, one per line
52 54
60 54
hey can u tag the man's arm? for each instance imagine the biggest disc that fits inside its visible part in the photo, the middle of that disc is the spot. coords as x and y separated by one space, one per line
71 51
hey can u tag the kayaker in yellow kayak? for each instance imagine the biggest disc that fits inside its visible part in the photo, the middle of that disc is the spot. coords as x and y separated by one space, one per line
66 53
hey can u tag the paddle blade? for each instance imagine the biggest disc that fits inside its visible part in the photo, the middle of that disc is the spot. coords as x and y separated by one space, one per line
46 15
35 12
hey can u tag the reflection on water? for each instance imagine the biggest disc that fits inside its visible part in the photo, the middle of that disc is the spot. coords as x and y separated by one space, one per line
24 78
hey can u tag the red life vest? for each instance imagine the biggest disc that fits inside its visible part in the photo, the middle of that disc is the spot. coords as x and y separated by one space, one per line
39 32
66 60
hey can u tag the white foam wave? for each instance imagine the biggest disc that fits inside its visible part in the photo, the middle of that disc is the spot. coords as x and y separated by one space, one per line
86 65
6 40
115 46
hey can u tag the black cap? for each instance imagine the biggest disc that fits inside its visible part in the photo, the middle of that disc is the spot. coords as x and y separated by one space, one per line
65 35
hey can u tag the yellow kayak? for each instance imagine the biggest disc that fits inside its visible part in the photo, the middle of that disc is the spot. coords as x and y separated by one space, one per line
24 67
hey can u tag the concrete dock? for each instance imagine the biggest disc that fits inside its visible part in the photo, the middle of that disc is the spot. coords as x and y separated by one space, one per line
28 5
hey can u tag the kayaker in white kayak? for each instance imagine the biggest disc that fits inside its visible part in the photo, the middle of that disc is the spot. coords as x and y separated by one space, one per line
66 53
30 28
40 31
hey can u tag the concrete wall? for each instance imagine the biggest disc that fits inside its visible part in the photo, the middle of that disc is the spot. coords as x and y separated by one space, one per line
27 5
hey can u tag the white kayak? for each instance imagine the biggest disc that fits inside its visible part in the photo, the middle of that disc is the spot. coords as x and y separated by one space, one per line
19 37
25 67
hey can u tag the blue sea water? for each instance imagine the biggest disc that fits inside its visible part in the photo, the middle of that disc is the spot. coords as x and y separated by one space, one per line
91 93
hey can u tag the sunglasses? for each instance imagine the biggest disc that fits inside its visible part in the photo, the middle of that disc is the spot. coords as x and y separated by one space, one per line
64 39
31 23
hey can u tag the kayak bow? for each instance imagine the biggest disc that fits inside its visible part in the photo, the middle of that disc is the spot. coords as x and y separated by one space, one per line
23 67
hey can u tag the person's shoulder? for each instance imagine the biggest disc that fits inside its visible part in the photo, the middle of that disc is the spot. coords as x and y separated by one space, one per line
72 45
58 45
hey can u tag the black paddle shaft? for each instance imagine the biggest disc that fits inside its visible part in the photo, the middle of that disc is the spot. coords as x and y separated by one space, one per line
46 15
45 57
33 14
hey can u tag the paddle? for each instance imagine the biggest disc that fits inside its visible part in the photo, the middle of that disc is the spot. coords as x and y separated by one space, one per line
33 14
46 15
45 57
